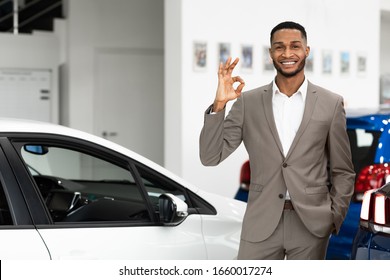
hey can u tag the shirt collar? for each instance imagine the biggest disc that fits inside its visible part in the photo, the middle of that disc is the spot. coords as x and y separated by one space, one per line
302 89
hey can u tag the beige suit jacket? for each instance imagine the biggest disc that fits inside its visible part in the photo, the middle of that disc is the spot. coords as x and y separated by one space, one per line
317 171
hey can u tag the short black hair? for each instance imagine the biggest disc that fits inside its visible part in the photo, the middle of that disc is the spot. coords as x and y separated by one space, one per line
289 25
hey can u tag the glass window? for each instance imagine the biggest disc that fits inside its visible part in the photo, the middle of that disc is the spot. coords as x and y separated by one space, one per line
5 215
364 138
79 187
155 185
363 147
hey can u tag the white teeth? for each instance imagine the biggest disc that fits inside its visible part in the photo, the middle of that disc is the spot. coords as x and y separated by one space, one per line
288 63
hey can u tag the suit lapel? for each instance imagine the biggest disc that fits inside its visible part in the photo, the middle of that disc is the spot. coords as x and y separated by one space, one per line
311 99
269 114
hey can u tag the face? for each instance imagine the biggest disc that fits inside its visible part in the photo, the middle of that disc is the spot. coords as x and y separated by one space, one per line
288 52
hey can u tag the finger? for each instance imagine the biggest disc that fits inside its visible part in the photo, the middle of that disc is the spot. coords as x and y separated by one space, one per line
227 62
226 65
232 65
238 79
239 88
220 69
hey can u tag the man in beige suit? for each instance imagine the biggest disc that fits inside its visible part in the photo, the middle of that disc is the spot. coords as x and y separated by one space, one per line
295 133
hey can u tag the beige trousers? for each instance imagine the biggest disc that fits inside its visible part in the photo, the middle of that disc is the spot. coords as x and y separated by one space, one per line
291 240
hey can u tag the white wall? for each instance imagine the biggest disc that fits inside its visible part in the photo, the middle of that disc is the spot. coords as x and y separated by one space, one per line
385 54
385 38
385 43
173 122
116 32
101 24
33 52
331 25
385 5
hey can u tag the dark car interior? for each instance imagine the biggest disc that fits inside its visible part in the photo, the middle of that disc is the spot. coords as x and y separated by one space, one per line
89 203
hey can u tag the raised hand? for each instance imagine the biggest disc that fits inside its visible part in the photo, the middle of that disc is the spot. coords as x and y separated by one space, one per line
225 89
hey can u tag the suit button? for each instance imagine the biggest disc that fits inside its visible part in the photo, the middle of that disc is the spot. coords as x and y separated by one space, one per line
284 165
281 196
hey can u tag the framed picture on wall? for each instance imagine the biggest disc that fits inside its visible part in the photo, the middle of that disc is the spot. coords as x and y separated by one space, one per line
361 63
327 62
268 65
200 56
309 66
344 62
246 58
385 89
224 50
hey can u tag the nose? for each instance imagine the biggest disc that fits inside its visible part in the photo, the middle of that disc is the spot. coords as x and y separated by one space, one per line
287 52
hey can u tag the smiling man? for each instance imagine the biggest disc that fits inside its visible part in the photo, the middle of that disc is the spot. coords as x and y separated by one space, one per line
295 134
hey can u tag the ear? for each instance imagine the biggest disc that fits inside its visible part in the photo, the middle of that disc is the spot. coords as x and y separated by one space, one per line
307 51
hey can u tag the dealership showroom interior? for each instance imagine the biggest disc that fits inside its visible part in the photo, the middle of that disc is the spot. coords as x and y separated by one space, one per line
102 107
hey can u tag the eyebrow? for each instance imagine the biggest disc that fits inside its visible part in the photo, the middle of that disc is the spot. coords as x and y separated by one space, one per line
292 42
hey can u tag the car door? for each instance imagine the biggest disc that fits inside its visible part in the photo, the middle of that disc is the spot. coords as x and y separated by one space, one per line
18 237
101 206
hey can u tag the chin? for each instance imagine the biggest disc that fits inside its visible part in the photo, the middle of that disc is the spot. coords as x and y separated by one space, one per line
290 74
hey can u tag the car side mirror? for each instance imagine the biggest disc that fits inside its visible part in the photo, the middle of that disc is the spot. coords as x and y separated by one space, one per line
36 149
172 209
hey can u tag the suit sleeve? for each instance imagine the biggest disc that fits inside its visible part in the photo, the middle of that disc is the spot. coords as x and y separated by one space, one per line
341 168
221 136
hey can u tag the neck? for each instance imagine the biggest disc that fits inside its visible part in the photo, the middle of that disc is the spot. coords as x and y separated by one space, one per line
289 85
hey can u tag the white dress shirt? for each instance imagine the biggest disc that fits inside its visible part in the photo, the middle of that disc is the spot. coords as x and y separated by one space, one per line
288 113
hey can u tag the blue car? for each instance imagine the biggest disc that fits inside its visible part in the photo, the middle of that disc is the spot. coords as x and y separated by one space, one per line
369 135
372 241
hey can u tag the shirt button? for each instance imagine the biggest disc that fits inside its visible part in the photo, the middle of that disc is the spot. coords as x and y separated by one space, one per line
281 196
284 165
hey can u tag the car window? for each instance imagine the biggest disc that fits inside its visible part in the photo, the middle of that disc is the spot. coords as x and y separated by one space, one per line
364 138
155 185
79 187
363 147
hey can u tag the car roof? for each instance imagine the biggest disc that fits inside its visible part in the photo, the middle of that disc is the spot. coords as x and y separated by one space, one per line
383 110
9 125
373 119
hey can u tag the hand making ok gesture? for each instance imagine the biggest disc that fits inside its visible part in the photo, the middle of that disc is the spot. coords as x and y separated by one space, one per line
226 90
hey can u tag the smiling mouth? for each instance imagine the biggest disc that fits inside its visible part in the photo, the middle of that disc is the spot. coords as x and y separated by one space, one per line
288 63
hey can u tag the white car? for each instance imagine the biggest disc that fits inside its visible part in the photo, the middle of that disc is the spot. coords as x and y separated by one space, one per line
66 194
